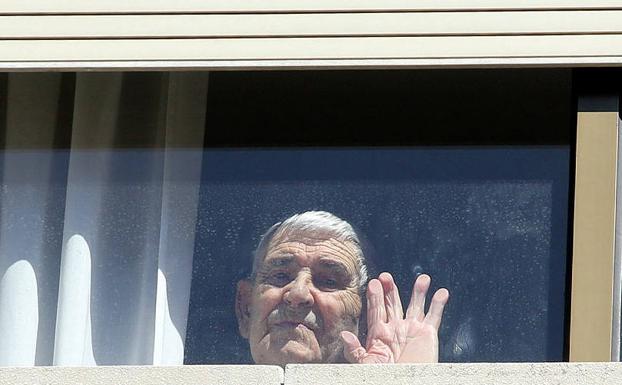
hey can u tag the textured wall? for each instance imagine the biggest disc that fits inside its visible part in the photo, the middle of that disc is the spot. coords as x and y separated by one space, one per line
439 374
464 374
144 375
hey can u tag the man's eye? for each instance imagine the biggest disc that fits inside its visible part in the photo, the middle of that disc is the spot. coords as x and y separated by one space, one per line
279 279
327 283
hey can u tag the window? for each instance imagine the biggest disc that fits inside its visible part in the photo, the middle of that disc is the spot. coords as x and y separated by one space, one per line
166 181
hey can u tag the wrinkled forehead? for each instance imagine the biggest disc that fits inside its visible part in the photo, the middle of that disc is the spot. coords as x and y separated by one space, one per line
317 241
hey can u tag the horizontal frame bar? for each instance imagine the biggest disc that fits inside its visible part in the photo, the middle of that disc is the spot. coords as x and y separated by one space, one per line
301 25
313 48
309 64
287 6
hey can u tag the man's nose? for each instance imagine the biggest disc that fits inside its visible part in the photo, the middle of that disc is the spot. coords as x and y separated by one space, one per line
299 293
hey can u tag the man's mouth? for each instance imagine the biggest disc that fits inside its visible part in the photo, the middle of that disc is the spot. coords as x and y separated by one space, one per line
289 324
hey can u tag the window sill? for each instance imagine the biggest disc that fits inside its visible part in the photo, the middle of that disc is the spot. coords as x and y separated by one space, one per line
429 374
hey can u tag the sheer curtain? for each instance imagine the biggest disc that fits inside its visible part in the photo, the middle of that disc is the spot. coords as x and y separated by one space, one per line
99 183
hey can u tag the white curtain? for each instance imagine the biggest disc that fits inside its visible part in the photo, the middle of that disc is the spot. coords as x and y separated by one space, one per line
99 185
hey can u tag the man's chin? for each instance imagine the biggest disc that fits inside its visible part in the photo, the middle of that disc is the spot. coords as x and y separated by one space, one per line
292 352
297 353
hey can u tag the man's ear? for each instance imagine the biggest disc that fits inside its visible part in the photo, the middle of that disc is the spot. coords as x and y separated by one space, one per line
243 298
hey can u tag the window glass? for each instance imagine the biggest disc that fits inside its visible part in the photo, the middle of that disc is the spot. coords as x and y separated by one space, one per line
489 224
462 175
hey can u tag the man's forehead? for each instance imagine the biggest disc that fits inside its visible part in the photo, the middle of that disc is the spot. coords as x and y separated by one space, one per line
300 242
307 236
294 245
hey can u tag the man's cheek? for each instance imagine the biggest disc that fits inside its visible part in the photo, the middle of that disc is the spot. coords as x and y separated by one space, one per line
352 304
266 300
342 311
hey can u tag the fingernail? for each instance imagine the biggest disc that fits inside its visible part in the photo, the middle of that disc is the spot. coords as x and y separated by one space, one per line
348 337
374 286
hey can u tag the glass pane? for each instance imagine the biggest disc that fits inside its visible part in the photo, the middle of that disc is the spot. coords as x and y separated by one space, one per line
489 224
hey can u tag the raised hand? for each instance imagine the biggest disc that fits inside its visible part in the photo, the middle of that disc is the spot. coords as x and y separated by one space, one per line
391 337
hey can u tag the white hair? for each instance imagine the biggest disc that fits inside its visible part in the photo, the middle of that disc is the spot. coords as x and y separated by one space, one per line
313 222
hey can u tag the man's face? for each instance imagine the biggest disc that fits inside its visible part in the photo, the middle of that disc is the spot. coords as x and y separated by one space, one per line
306 292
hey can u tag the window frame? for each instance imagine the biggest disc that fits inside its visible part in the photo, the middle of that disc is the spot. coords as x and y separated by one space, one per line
594 260
592 333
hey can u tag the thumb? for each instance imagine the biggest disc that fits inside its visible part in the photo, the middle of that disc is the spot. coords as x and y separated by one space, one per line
352 349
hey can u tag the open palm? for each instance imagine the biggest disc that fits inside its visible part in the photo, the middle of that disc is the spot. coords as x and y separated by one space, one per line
391 337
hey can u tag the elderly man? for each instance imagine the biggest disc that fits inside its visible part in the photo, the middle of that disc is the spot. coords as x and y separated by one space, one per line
303 301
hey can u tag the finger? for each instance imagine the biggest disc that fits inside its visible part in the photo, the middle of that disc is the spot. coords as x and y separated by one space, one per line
392 300
376 312
435 313
352 349
417 301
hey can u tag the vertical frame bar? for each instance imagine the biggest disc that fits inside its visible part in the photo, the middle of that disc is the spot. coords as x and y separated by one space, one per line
617 267
592 291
